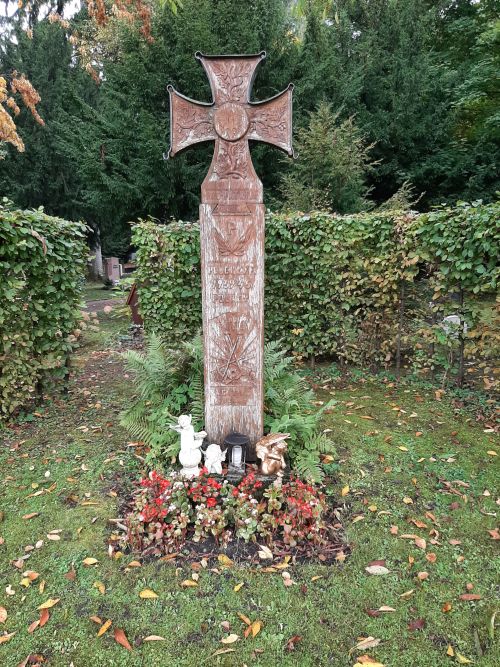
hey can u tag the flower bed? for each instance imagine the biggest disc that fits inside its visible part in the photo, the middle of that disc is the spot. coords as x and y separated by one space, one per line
168 512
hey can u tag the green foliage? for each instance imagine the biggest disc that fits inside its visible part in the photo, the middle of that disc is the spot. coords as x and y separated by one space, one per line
170 382
331 168
42 263
339 277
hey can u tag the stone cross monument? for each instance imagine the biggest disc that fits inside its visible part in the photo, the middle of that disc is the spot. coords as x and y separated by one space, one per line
232 235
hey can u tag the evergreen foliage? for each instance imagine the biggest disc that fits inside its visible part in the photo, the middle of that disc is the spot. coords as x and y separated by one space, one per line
415 78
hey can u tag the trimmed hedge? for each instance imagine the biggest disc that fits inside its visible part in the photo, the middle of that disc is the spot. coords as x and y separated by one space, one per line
329 279
336 286
42 264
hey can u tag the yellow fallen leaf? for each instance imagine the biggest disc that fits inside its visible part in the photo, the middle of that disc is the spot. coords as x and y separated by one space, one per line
491 452
450 651
104 627
407 500
255 628
25 582
3 614
462 660
154 638
6 638
222 651
51 602
345 490
403 449
90 561
369 663
148 594
230 639
244 618
134 563
238 587
224 560
407 593
318 576
188 583
100 587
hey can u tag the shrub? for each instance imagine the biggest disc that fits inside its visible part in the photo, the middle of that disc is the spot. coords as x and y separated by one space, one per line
42 263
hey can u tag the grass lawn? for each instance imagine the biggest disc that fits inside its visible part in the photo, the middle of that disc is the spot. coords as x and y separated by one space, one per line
97 292
403 455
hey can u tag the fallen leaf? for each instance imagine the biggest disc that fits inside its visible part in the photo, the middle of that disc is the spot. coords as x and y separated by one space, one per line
244 618
222 651
377 570
134 563
100 587
238 587
364 660
431 557
154 638
290 645
90 561
3 614
188 583
265 553
421 543
407 594
256 628
462 660
407 500
44 617
386 609
450 651
34 626
367 642
96 619
51 602
446 607
417 624
148 594
7 637
469 596
345 490
31 515
104 627
230 639
121 639
423 576
224 560
394 530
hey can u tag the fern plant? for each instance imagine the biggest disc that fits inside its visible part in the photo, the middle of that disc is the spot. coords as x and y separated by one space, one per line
170 382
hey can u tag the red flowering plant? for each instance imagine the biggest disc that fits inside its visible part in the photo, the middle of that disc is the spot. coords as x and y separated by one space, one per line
169 510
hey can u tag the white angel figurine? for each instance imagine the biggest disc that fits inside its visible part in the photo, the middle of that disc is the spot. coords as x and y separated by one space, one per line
190 454
213 459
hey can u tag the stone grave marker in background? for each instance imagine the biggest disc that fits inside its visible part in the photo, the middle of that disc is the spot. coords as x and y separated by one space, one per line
232 235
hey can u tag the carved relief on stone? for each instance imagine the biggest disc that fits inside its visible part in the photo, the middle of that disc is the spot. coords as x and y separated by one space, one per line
232 239
229 78
231 161
235 340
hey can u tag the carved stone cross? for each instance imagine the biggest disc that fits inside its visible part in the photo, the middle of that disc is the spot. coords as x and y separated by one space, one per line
232 236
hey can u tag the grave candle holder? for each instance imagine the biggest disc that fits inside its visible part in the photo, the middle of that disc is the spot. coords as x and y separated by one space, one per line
236 445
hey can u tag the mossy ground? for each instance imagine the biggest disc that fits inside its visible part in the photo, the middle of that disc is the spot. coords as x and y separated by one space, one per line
75 449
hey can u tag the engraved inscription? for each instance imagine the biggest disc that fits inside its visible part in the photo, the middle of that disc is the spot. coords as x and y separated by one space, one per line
231 240
231 121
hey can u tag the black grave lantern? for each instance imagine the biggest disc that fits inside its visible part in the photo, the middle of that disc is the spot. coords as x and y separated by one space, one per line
236 445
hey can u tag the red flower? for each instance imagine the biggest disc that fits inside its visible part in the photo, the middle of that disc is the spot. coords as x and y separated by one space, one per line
211 502
236 493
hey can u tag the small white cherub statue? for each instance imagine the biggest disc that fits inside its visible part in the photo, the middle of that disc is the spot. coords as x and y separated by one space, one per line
213 459
190 454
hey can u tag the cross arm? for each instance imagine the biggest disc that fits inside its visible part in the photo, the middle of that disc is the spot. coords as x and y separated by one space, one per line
271 121
191 122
